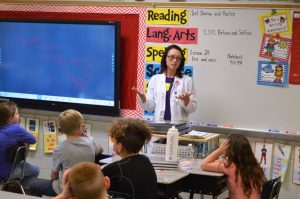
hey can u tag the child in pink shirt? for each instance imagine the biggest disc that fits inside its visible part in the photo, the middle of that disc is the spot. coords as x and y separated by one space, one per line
245 178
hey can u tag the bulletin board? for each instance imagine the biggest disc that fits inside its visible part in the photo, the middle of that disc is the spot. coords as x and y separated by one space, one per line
226 59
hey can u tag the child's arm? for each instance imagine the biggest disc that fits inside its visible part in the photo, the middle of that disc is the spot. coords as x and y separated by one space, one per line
66 193
56 162
54 175
211 162
100 148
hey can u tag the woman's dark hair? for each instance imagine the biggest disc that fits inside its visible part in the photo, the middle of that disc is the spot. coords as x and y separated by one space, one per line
7 110
240 153
131 133
163 63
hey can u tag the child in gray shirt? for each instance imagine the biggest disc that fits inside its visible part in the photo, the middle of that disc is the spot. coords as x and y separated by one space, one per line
76 148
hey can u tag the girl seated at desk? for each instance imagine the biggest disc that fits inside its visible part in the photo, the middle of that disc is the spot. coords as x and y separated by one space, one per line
245 178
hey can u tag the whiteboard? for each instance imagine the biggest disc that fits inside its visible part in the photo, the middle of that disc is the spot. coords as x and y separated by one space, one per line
225 63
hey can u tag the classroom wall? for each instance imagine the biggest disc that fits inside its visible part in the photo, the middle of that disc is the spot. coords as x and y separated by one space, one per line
227 93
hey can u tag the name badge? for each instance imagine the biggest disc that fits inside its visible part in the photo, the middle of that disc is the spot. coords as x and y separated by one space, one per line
168 85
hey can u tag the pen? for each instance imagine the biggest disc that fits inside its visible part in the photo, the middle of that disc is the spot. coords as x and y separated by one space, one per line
274 131
212 125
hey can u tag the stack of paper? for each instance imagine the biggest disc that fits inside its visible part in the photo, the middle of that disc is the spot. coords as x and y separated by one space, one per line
163 127
159 163
199 134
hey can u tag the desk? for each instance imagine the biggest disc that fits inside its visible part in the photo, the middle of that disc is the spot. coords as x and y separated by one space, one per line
203 182
169 183
202 145
185 137
10 195
193 180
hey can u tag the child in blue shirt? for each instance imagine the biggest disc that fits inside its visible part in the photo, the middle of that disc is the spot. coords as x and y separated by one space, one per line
10 135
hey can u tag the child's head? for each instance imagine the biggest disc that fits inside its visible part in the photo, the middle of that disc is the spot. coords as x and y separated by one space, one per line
240 153
86 180
70 122
132 134
239 148
9 113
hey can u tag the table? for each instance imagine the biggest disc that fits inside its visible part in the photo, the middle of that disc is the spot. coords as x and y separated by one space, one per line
10 195
190 179
203 182
169 183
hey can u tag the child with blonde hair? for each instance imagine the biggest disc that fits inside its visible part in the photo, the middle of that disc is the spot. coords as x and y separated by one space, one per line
76 148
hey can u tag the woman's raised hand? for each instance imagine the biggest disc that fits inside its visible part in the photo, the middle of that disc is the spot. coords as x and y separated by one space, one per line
140 94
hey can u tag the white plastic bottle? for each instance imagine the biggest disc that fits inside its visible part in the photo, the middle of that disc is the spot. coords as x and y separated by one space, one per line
172 144
190 152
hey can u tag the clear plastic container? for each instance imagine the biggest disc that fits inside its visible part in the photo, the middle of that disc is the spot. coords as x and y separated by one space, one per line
172 144
190 152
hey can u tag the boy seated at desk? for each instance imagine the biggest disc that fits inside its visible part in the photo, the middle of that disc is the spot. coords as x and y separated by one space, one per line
76 148
133 176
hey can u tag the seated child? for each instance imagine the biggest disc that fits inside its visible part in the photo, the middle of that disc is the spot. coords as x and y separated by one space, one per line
10 135
76 148
244 176
133 176
84 180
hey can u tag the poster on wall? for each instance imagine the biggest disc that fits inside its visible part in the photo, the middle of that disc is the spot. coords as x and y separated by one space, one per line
32 125
172 35
272 73
50 136
275 48
161 16
263 154
296 168
280 159
276 22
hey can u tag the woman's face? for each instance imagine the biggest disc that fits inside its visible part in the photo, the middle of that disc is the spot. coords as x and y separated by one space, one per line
15 119
173 60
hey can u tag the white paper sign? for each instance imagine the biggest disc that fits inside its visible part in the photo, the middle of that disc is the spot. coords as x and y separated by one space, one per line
280 159
296 170
263 154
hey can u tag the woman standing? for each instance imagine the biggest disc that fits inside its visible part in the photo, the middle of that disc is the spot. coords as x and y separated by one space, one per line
170 94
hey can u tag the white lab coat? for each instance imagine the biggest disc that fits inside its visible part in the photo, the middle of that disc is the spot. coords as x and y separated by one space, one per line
156 97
